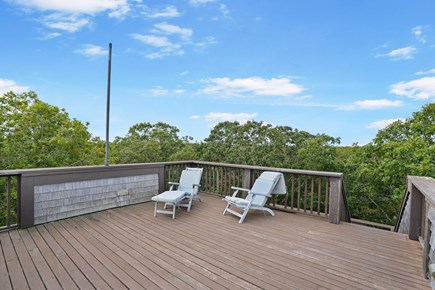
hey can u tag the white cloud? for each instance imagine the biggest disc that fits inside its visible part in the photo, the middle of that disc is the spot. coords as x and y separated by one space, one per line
158 92
69 23
400 53
165 46
50 35
171 40
201 46
257 86
418 33
10 85
213 118
196 3
92 50
169 29
157 41
419 89
428 72
72 15
224 10
169 12
381 124
371 105
75 6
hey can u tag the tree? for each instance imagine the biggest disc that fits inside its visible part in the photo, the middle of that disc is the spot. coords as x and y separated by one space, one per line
35 134
146 142
254 143
376 174
319 153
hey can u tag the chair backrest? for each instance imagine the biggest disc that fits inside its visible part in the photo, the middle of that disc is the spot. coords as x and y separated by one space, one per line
267 183
188 178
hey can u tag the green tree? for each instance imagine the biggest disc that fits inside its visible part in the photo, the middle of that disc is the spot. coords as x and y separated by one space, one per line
376 174
319 153
256 143
35 134
146 142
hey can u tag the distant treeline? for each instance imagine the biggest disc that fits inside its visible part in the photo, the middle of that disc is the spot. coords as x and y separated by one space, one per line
34 134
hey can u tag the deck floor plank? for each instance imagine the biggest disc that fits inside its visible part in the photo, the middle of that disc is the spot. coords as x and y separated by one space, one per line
66 262
58 270
15 271
238 255
26 262
128 248
5 282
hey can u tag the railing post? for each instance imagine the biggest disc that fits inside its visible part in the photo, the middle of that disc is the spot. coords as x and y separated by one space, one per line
27 216
415 215
335 200
426 245
162 178
247 178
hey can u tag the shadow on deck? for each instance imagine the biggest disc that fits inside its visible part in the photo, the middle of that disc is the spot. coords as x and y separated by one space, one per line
128 248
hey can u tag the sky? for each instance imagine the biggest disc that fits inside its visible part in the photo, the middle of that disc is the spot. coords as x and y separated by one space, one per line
336 67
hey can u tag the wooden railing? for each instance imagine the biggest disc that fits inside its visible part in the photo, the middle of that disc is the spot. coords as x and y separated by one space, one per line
309 192
417 217
34 196
9 200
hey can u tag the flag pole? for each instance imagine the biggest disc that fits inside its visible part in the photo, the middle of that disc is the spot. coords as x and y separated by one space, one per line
108 103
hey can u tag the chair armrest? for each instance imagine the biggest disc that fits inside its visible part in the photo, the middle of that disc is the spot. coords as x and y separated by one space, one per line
197 185
239 188
173 183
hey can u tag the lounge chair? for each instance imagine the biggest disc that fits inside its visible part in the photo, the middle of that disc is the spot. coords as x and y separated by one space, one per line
267 183
180 194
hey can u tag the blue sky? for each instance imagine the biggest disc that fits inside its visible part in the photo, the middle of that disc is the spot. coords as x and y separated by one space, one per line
344 68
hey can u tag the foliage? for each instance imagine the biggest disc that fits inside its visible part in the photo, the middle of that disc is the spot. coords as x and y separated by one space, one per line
146 142
34 134
376 173
254 143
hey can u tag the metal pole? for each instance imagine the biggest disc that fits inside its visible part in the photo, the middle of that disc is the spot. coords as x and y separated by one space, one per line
108 103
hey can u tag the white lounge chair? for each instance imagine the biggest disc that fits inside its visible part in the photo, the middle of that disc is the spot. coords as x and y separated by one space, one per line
180 194
267 183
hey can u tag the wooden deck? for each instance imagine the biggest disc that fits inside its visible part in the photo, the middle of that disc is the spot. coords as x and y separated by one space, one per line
127 248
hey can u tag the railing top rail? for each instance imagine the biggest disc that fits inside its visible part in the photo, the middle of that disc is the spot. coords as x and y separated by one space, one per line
283 170
9 173
54 170
426 185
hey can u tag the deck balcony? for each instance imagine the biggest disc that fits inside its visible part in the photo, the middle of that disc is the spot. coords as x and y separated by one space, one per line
93 228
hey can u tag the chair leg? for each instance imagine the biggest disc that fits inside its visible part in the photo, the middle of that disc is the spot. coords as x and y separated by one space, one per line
225 210
155 209
245 212
269 211
173 211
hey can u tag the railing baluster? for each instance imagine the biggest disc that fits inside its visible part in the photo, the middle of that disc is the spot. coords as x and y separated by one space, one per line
292 192
312 195
305 192
299 192
326 197
8 201
319 189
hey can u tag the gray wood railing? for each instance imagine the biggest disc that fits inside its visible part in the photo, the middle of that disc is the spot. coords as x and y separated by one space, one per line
9 200
34 196
310 192
417 217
